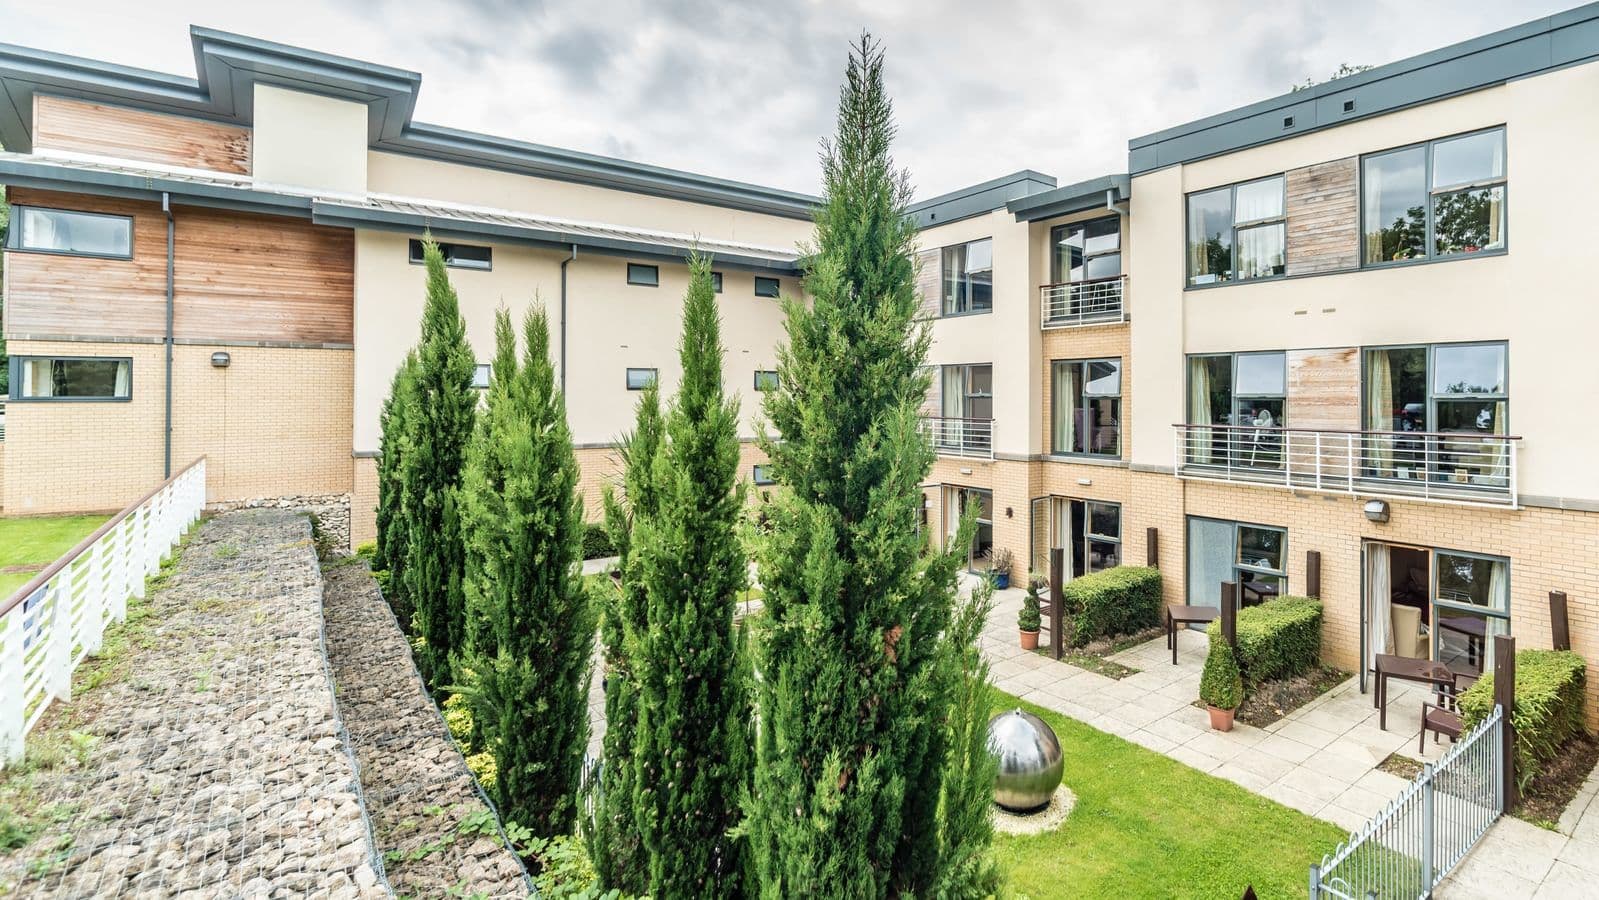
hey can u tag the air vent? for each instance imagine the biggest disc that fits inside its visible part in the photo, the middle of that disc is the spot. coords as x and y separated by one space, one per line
1288 121
1349 106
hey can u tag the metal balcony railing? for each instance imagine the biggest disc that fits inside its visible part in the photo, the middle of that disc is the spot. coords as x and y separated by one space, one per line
960 437
1443 467
1075 303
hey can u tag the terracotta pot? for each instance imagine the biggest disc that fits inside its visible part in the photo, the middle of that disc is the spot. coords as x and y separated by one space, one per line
1221 719
1029 640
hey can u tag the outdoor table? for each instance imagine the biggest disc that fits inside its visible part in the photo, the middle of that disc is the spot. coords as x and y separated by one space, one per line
1422 671
1186 615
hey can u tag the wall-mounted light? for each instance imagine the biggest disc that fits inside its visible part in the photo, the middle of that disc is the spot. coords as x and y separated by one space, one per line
1085 482
966 471
221 359
1009 513
1377 511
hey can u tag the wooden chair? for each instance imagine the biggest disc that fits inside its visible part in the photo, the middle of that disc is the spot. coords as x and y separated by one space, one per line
1443 717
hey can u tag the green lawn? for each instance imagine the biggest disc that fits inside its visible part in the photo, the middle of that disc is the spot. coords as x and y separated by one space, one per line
36 541
1146 825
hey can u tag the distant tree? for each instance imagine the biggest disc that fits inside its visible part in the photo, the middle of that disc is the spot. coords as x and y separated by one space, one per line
434 455
393 422
1344 69
612 833
531 654
692 751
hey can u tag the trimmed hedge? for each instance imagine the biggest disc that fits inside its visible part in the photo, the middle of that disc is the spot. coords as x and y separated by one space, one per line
1123 600
597 541
1221 686
1280 638
1550 687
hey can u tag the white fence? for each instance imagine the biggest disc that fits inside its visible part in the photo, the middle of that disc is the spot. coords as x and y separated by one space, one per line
1408 849
54 621
1472 468
960 437
1070 304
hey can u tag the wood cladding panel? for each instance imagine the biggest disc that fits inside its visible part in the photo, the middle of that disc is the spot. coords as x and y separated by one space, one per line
237 277
1323 217
929 278
83 127
1324 389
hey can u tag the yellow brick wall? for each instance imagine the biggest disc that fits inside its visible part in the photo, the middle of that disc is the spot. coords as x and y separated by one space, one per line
276 422
363 500
1096 342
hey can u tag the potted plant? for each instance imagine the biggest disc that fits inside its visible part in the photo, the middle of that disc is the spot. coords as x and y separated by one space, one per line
1222 686
1030 619
999 562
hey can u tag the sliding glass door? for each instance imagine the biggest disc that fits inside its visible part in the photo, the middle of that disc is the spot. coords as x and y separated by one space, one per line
1253 556
1425 603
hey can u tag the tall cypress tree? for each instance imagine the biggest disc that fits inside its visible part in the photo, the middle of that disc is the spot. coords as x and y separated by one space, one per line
691 755
435 452
390 518
612 833
856 698
532 674
483 496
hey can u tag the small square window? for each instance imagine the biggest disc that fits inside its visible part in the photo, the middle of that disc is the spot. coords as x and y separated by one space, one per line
767 287
639 379
765 380
481 374
643 276
716 282
761 474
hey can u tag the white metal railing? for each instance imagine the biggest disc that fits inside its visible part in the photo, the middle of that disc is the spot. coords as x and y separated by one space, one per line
1097 301
1409 847
1444 467
960 437
51 623
3 399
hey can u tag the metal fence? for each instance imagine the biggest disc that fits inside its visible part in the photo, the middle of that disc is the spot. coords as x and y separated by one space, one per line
1098 301
960 437
51 623
1408 849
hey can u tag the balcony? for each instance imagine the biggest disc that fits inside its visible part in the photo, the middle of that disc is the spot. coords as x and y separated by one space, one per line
971 438
1441 467
1074 304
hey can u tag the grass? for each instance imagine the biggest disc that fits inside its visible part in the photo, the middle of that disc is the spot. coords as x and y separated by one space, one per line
35 541
1146 825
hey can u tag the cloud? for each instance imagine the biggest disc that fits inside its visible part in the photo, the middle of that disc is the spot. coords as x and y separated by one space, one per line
746 90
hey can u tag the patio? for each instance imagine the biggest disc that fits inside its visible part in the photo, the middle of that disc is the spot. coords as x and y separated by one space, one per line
1320 759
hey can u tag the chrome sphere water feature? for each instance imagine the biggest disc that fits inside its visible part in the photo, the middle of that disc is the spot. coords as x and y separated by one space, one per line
1030 761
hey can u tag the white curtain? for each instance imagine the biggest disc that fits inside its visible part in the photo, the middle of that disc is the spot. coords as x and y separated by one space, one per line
1379 410
1065 390
1198 411
36 379
121 387
1379 603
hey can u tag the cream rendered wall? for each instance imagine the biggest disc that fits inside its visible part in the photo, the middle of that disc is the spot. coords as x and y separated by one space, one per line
1539 296
1007 337
416 177
309 141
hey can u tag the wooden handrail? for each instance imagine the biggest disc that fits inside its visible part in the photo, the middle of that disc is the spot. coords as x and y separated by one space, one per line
1450 435
71 556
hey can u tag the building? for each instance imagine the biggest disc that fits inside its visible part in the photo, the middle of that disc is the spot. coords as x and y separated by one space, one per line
1349 382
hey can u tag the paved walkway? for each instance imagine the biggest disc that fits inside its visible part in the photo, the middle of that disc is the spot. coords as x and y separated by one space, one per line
205 757
1517 860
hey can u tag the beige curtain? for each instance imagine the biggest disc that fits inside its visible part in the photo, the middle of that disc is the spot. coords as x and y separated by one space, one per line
1499 596
1199 412
1379 603
1379 412
121 387
1065 390
37 380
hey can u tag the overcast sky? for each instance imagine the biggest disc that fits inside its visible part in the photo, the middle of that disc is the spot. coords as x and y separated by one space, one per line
745 90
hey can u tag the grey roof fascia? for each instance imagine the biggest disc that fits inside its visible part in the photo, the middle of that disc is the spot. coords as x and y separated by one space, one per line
977 199
346 216
1073 198
141 187
1486 61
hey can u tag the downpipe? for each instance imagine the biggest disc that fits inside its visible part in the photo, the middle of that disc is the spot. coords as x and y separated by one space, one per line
564 264
166 208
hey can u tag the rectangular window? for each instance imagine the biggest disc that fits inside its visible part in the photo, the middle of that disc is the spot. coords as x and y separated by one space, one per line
1086 251
643 275
1244 396
1435 200
1085 406
71 233
716 282
457 256
71 378
957 500
969 278
767 287
639 379
1253 556
1441 411
481 375
1237 233
760 474
1090 533
765 380
1471 605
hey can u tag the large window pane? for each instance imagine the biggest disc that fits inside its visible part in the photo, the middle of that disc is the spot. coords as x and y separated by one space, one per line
1261 374
1210 237
955 295
1396 389
1104 378
1086 406
1470 159
980 274
1210 559
1107 265
1394 205
1468 369
1469 221
1261 548
1473 581
1260 200
1261 251
74 379
1104 520
61 231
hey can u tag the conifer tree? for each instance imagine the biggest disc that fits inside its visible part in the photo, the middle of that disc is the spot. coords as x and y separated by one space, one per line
483 495
691 755
530 696
434 455
390 517
611 831
858 700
